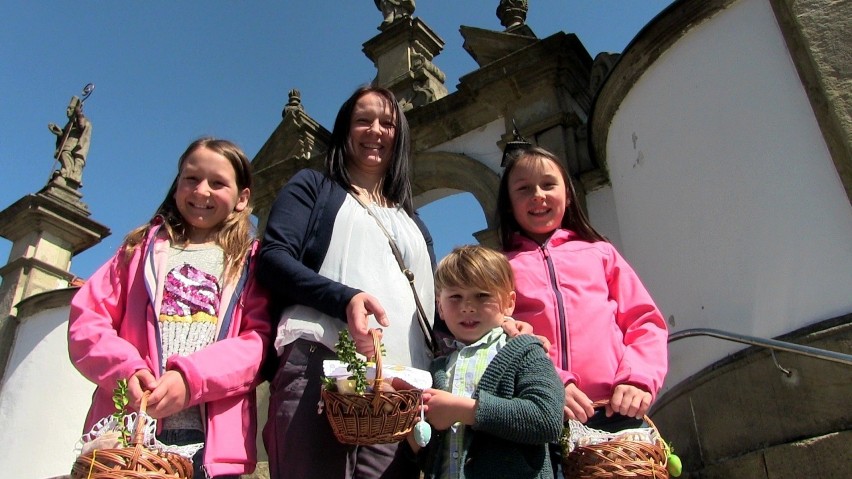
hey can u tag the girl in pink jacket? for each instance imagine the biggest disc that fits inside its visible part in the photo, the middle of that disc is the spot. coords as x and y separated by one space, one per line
176 312
608 338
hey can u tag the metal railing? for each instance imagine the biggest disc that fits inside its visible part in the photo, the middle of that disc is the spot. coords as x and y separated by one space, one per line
771 344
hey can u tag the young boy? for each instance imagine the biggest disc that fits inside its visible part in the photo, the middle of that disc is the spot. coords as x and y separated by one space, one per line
496 403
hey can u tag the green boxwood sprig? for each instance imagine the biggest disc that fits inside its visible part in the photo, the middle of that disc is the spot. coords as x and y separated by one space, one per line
354 364
120 400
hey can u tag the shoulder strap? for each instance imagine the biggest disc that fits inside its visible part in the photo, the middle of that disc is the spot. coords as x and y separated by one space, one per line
428 334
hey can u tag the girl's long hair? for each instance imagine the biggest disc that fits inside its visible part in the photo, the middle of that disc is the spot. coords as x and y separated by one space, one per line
235 234
396 186
574 219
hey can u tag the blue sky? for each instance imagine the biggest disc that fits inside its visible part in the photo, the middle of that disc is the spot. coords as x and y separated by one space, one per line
166 73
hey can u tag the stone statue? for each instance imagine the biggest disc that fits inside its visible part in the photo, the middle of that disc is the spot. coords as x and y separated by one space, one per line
394 10
512 13
72 145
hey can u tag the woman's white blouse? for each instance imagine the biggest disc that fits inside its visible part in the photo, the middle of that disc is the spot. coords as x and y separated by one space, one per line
359 256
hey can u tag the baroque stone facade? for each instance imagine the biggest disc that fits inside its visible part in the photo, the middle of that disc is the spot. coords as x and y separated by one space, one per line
565 100
543 85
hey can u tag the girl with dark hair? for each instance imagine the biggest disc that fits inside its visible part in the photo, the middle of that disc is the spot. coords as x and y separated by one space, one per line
608 338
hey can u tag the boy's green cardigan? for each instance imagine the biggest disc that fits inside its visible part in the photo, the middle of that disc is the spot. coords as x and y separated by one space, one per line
520 410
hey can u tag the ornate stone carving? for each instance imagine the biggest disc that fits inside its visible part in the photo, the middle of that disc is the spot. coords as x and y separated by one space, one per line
512 13
420 61
394 10
294 102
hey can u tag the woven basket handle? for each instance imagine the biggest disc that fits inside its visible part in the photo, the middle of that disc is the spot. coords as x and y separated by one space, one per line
377 383
603 402
139 433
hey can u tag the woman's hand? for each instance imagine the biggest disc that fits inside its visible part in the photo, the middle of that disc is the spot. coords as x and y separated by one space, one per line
629 401
360 307
578 406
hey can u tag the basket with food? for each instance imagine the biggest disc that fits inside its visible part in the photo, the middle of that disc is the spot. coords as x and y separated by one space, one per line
122 446
589 453
370 403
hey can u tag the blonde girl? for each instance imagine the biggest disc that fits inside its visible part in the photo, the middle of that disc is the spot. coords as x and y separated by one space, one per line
177 313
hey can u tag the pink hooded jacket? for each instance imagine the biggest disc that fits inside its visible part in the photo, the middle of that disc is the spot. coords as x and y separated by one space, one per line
113 331
602 324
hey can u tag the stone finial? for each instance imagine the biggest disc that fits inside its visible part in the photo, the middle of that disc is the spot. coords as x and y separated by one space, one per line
394 10
294 102
512 13
517 144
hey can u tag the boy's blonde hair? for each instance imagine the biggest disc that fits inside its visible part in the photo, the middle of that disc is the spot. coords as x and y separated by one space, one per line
475 266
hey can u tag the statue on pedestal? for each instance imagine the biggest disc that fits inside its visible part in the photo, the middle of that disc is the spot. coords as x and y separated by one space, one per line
72 143
394 10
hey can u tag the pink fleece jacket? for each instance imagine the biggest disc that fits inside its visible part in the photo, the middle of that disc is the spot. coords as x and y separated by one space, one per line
603 326
113 331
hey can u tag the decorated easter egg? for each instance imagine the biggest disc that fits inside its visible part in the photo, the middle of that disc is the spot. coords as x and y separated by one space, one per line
422 433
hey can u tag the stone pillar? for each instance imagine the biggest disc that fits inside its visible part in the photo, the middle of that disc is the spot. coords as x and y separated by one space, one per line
46 229
402 54
488 237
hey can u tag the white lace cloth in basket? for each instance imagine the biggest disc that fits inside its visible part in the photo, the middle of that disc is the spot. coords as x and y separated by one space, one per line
581 435
109 425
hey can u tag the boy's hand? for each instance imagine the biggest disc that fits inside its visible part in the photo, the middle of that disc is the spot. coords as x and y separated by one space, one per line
444 409
578 406
629 401
170 396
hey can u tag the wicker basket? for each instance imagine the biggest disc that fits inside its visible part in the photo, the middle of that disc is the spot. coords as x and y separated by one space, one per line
618 459
132 462
379 417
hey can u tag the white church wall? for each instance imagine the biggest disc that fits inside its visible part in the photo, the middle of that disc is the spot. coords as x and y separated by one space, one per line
600 208
728 204
43 400
480 144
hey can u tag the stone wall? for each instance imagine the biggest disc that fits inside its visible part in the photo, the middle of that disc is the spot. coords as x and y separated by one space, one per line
816 32
743 417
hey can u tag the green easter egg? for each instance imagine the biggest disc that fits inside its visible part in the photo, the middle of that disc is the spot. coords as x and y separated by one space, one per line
674 466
